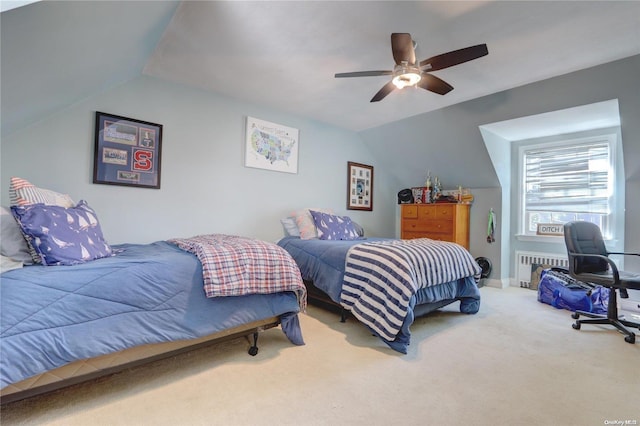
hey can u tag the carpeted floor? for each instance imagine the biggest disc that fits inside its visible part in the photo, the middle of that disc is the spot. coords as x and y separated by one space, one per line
516 362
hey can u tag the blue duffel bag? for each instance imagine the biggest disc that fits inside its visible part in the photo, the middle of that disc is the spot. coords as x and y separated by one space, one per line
560 290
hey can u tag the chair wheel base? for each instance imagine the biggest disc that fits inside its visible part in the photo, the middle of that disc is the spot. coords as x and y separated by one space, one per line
618 323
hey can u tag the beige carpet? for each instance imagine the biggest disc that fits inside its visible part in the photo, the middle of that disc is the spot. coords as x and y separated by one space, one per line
517 362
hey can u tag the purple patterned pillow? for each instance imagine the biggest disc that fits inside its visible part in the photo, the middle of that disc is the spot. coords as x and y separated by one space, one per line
63 236
332 227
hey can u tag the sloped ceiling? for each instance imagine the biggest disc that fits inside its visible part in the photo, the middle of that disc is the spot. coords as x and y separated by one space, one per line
285 54
56 53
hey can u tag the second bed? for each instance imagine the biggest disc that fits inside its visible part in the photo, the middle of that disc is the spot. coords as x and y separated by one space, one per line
387 283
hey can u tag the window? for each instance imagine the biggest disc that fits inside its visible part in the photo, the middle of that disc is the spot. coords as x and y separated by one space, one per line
567 180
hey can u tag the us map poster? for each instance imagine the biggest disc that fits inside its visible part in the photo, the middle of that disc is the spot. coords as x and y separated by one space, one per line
271 146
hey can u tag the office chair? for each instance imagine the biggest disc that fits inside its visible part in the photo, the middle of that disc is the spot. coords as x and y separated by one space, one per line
589 262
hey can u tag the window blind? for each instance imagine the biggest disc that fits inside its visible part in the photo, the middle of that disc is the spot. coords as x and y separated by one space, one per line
572 178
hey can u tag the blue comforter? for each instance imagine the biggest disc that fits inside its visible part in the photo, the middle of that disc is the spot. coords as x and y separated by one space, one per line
323 263
53 315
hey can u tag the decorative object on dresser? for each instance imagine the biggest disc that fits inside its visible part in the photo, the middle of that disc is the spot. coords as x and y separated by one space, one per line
405 196
444 221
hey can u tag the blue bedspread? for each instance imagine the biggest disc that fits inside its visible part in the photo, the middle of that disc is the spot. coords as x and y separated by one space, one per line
53 315
323 263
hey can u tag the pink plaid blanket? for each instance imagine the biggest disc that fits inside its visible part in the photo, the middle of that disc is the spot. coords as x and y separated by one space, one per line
236 266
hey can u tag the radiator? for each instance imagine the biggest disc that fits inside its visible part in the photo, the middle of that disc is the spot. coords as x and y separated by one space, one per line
528 262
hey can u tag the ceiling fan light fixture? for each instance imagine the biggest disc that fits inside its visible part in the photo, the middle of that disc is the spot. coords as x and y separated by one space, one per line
405 75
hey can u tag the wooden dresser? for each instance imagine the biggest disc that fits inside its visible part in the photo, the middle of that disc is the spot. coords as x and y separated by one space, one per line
445 222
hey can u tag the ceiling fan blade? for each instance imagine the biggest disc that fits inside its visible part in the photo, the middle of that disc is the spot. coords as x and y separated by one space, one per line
455 57
434 84
402 47
386 89
363 74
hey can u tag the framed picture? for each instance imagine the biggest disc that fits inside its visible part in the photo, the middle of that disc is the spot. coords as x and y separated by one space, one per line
271 146
127 151
359 186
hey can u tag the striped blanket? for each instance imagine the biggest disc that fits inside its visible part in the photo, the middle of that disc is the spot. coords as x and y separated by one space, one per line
236 266
381 278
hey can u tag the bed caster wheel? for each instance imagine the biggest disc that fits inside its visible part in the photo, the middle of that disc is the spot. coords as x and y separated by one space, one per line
575 315
576 326
630 339
253 350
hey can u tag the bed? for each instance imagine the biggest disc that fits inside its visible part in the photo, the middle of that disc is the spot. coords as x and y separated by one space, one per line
384 283
142 297
90 308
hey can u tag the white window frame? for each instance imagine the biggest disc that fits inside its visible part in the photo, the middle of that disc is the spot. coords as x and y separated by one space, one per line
609 222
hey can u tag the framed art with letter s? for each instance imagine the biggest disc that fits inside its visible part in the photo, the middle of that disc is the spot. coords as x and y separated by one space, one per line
359 186
127 151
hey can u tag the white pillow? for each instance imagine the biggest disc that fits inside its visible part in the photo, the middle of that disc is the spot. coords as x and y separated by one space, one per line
23 193
7 264
12 242
306 225
290 227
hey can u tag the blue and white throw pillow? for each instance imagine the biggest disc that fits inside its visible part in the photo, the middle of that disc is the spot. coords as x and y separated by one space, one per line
332 227
63 236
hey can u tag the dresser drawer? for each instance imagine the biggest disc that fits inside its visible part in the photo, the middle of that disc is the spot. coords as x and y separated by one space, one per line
410 212
436 226
441 226
433 236
439 237
414 225
411 235
444 211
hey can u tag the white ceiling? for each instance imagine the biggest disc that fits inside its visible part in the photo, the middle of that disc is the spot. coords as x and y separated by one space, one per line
598 115
285 54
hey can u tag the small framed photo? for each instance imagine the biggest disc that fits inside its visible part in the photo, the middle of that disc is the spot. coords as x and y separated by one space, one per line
359 186
127 151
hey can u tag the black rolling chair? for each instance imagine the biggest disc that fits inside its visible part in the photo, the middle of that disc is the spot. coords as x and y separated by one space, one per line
589 262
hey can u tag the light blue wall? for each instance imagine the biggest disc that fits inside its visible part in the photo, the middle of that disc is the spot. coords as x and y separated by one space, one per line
205 187
448 142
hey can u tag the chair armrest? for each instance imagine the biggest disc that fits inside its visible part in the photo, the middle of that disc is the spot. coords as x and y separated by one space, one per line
614 267
624 254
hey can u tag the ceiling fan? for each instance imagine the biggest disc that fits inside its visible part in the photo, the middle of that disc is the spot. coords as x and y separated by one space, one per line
408 73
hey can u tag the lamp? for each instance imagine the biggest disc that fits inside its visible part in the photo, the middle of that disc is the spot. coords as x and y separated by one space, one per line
405 75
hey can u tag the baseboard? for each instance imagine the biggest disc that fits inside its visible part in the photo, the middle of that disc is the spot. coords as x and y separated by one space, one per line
496 283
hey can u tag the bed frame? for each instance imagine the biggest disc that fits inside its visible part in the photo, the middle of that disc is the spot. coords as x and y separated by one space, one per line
84 370
320 298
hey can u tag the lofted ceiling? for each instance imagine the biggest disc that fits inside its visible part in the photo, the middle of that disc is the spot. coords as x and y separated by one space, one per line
284 54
